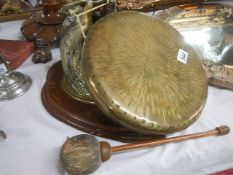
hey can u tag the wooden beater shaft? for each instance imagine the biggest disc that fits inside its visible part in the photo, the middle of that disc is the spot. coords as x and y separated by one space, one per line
222 130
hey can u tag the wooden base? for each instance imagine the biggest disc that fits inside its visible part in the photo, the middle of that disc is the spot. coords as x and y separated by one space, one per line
85 117
220 84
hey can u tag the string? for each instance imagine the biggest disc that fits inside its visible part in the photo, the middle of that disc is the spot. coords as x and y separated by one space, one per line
85 12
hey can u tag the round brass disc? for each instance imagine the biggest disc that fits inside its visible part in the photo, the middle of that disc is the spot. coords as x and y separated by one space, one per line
130 66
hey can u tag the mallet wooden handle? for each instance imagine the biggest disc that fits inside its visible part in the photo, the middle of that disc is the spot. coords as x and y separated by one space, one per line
222 130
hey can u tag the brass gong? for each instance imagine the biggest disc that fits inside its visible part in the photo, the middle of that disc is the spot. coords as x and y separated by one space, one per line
142 73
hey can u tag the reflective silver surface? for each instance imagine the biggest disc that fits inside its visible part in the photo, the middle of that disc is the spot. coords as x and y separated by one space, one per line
214 44
12 84
209 29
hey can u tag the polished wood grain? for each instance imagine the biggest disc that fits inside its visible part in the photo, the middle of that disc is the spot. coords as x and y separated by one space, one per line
222 130
16 52
45 27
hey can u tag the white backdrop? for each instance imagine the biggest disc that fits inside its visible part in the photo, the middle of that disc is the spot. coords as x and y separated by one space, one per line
35 137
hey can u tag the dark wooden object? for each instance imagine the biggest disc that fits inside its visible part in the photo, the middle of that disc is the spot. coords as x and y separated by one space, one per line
220 84
16 52
44 28
85 117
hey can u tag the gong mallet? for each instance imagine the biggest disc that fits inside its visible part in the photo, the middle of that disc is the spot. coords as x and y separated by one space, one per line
83 154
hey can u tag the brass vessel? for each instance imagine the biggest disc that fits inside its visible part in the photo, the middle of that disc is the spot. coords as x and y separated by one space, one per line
70 48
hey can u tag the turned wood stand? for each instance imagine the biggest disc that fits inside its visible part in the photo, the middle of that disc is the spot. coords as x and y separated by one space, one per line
44 29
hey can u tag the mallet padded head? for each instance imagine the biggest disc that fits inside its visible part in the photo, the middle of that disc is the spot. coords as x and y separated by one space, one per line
81 155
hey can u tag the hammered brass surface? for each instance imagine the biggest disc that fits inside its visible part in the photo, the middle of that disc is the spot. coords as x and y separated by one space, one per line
130 66
70 49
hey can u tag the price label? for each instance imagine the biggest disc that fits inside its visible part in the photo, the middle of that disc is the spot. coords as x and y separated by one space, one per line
3 69
182 56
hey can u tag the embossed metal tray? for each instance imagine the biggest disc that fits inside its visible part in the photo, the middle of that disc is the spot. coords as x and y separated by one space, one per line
142 73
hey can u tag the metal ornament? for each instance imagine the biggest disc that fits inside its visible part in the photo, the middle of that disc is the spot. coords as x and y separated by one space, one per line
12 84
150 81
77 23
172 93
70 48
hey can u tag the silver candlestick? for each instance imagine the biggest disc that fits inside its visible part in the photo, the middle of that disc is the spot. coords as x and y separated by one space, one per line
12 84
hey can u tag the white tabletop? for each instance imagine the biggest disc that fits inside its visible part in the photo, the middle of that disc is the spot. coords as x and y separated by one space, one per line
35 137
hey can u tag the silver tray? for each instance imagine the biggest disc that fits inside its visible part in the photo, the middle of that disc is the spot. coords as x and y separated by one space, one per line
208 27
